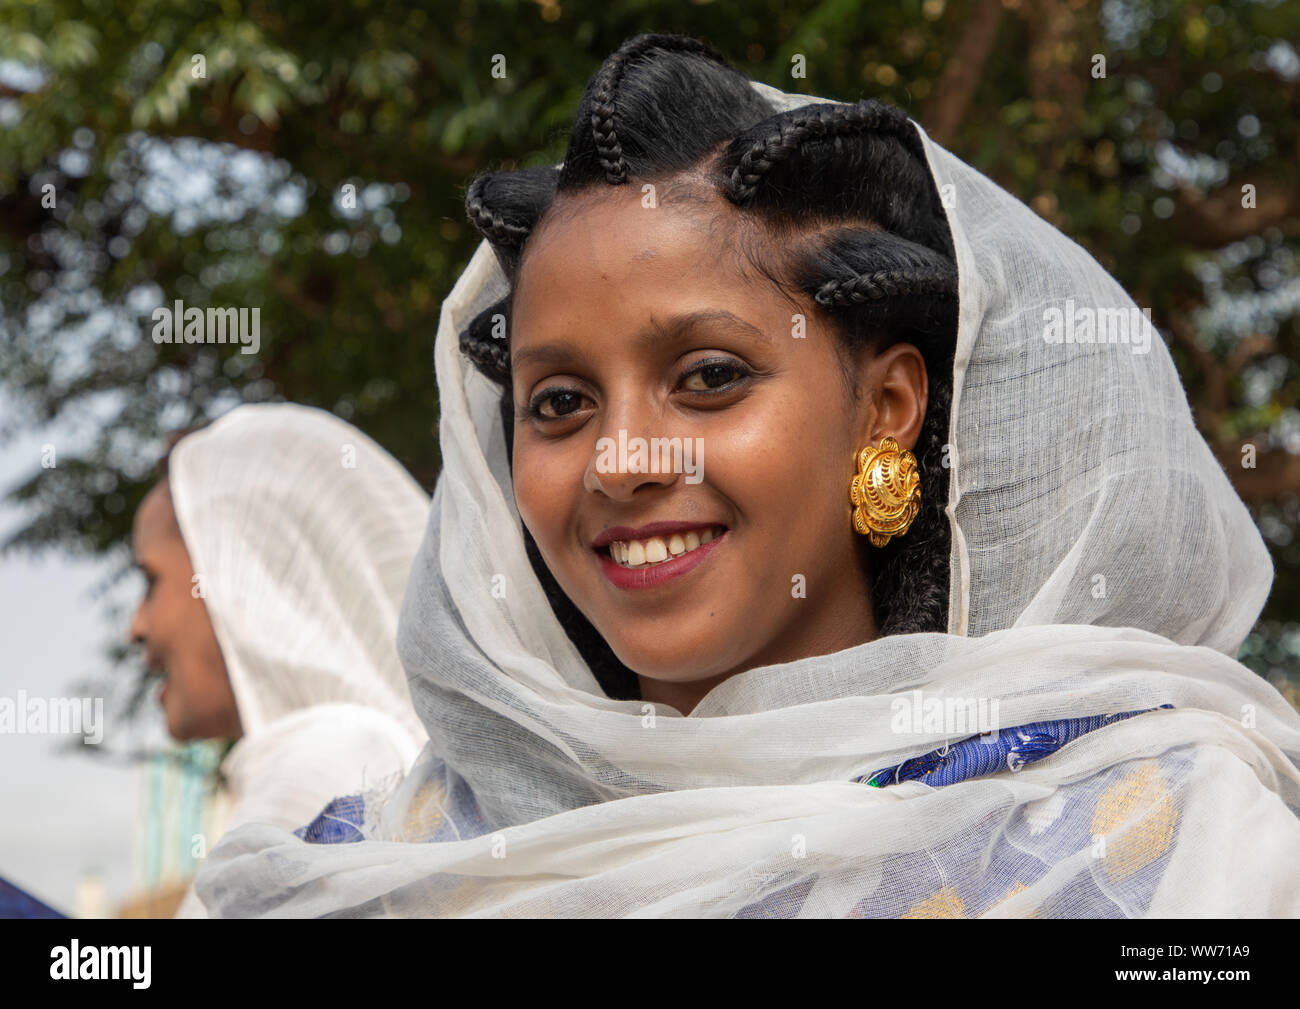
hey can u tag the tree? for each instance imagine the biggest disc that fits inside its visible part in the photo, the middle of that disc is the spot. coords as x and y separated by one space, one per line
310 160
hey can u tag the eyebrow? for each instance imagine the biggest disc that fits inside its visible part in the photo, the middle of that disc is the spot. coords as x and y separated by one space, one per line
656 332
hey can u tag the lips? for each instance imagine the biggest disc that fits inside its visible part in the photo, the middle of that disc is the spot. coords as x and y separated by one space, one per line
649 576
658 549
625 533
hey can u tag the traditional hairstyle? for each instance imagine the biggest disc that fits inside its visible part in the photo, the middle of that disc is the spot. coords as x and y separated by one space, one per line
838 204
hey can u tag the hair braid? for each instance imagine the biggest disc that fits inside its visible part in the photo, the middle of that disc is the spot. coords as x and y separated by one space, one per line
885 284
490 354
813 122
505 206
491 225
605 87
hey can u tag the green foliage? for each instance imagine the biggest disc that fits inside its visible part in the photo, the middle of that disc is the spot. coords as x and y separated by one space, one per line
299 100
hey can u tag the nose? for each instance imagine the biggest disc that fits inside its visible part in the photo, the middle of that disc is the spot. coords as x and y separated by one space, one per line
623 464
621 486
136 632
634 449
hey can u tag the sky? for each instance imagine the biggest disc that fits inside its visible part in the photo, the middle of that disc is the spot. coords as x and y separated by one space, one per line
66 815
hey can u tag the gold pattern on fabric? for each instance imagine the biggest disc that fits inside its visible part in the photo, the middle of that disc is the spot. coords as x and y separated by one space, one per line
1141 794
427 812
1016 888
943 904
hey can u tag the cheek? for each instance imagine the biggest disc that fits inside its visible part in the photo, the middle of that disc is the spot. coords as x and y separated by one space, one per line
785 458
170 633
186 628
169 617
547 483
530 491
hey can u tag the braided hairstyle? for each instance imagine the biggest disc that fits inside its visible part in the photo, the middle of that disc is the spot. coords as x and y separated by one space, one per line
838 205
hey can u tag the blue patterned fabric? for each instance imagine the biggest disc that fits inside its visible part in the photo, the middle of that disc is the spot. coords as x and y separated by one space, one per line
1011 749
342 821
338 823
462 817
1012 863
968 877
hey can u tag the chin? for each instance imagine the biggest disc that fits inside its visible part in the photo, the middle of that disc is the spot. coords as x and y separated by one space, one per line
681 665
179 730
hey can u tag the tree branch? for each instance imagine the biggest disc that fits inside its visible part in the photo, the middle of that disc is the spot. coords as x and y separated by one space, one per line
1219 218
952 97
1276 472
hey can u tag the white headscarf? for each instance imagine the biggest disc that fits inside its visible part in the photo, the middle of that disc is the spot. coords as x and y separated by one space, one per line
1101 563
301 531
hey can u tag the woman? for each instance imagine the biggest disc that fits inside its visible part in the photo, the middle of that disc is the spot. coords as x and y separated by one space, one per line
276 550
989 676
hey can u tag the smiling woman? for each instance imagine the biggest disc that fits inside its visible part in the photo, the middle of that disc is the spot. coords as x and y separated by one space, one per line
825 321
653 697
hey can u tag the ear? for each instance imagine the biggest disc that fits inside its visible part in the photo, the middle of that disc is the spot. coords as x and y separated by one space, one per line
899 388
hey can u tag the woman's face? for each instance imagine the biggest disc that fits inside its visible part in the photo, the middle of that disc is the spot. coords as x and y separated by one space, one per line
630 324
173 625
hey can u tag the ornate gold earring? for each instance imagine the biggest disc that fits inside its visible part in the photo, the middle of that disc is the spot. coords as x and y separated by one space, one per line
886 493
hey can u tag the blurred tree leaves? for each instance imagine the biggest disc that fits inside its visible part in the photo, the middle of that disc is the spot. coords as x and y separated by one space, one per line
227 188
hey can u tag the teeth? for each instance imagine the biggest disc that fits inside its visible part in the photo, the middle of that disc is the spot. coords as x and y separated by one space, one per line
656 550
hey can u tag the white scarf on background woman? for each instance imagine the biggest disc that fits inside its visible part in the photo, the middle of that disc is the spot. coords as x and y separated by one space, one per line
1101 563
301 531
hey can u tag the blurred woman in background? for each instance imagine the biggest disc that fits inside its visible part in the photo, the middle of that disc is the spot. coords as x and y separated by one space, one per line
276 551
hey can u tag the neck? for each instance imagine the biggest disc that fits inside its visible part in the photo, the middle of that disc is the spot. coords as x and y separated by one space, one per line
682 696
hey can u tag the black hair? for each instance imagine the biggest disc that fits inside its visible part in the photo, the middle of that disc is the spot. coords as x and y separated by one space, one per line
837 204
163 466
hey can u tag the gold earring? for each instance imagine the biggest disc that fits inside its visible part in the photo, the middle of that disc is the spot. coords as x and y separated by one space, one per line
886 492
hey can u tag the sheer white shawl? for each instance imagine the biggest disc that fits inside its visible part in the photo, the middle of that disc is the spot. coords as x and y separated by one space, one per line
1101 562
301 532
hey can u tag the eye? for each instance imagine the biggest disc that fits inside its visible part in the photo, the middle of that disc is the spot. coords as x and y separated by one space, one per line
714 375
561 402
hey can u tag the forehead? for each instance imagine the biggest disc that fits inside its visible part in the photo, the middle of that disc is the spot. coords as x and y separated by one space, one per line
155 519
618 246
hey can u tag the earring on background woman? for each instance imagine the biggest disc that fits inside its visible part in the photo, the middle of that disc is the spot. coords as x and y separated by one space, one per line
886 492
